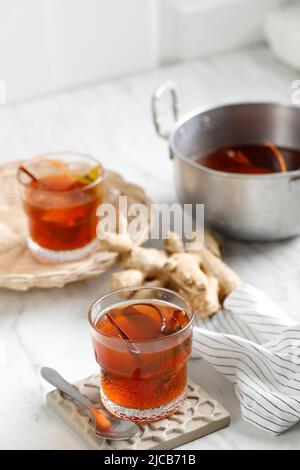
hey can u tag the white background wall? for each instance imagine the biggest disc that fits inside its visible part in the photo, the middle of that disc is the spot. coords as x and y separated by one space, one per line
51 44
47 45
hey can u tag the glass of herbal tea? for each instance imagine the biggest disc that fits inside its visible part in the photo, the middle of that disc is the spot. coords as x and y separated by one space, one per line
61 194
142 340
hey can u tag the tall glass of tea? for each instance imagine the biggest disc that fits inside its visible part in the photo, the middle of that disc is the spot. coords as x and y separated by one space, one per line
61 194
142 340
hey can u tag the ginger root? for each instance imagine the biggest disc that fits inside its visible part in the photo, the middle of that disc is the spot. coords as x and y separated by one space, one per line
128 278
214 266
199 274
183 270
210 242
145 293
184 273
119 243
148 260
205 302
173 243
213 244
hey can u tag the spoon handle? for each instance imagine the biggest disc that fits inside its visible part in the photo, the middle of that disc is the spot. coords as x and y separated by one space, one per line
53 377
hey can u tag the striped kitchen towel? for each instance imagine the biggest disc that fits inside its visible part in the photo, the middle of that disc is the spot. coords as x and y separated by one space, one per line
254 344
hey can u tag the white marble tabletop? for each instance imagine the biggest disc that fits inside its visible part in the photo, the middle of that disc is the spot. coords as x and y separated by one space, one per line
112 121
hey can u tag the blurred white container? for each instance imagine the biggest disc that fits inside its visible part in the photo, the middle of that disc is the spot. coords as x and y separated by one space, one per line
283 35
197 28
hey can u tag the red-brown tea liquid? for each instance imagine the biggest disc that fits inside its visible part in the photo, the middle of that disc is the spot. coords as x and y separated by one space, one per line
147 375
62 213
252 159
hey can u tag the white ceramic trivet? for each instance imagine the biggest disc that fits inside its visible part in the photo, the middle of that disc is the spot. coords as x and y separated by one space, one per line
198 416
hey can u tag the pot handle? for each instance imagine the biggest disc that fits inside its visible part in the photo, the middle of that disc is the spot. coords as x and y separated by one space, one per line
166 88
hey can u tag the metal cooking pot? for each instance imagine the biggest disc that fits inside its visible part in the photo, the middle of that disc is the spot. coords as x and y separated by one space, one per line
245 207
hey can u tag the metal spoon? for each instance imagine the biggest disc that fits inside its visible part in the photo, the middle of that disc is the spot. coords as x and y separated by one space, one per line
119 429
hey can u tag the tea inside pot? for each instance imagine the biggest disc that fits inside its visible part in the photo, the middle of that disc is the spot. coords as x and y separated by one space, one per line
252 159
